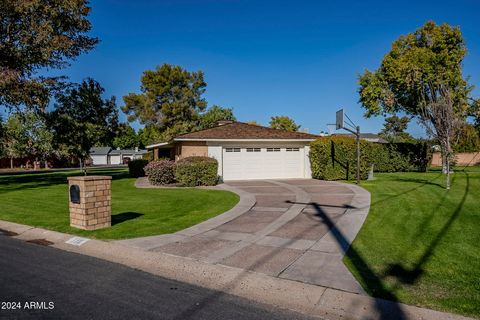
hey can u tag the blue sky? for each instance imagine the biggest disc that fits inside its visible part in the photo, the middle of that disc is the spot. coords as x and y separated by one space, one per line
265 58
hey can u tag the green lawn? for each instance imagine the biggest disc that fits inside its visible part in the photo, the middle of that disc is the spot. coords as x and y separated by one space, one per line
42 200
421 244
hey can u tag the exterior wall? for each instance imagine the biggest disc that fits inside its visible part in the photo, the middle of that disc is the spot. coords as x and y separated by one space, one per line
156 151
307 169
461 159
216 152
190 148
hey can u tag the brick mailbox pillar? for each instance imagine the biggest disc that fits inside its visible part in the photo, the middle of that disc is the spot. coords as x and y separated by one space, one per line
90 202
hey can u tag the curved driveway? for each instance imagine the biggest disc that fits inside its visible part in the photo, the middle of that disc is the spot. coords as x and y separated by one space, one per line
293 229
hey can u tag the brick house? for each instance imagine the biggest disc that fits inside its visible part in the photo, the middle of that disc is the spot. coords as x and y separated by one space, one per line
244 151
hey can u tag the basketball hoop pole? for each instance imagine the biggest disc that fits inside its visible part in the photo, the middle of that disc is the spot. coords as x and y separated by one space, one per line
341 125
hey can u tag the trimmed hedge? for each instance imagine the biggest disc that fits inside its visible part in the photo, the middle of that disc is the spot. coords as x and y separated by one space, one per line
399 157
135 167
197 171
160 172
335 158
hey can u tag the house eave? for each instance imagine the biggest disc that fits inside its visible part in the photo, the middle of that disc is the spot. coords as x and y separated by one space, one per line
157 145
244 140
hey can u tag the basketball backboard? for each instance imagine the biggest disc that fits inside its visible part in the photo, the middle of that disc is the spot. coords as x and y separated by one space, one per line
339 123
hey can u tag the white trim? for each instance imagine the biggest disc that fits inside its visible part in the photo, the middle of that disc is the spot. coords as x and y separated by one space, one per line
246 140
157 145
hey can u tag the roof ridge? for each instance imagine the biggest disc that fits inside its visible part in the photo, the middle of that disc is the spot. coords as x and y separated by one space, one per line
223 125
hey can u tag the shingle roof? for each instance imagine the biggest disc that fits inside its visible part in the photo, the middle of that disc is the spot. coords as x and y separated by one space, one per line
240 130
100 151
107 150
128 151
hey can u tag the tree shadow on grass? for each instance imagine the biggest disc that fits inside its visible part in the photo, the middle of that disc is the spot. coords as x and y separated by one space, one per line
410 275
419 180
423 183
124 216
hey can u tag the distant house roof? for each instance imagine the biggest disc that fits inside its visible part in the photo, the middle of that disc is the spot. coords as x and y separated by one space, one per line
244 131
128 152
103 151
100 151
372 137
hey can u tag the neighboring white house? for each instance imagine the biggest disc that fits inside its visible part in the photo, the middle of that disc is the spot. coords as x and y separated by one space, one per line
108 156
245 151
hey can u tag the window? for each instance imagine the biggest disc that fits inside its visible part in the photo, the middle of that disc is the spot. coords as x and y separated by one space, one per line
253 149
292 149
273 149
232 149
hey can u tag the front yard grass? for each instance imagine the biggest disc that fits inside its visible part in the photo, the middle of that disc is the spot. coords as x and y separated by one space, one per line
41 200
421 243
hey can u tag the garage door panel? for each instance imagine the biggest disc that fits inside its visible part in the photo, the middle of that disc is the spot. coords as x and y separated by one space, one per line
262 165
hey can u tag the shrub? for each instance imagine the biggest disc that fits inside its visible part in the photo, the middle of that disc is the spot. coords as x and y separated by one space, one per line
334 158
148 156
160 172
135 167
197 171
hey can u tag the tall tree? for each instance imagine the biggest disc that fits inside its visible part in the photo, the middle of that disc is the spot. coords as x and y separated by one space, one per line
210 118
148 135
83 119
394 129
126 137
422 76
468 139
171 100
15 138
37 34
27 135
283 123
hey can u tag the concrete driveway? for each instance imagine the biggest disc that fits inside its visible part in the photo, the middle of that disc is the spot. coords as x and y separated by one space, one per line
297 229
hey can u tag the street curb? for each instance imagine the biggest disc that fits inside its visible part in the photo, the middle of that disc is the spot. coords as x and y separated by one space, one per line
305 298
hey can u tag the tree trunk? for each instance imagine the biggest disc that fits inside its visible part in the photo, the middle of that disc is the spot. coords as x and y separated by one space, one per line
11 162
446 161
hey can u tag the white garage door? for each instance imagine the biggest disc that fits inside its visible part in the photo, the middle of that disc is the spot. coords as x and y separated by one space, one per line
115 160
99 160
242 163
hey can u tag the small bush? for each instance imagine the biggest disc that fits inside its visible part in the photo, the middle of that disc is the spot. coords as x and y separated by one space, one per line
160 172
197 171
148 156
135 167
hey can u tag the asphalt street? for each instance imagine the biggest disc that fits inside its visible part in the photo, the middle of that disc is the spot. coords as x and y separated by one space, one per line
41 282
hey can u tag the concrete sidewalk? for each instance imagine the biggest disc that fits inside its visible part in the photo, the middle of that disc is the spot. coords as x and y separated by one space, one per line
296 229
